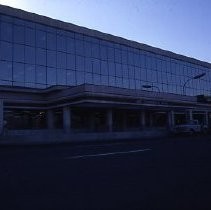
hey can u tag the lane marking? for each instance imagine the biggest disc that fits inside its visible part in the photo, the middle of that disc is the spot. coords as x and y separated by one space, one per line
106 154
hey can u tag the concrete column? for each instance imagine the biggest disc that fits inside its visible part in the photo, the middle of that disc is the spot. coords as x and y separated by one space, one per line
189 115
142 119
109 120
67 119
171 119
206 119
50 118
1 116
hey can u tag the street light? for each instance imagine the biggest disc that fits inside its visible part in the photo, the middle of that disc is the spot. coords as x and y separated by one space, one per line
192 78
151 86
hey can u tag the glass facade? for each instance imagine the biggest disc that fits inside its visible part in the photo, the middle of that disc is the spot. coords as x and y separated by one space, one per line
39 56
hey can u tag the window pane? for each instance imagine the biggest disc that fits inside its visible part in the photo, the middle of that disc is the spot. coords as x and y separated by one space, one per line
61 60
51 76
41 39
70 45
61 43
29 55
41 56
40 74
6 31
5 71
71 61
80 63
18 53
19 34
51 58
61 77
71 77
51 41
96 66
30 36
6 51
29 74
80 77
18 72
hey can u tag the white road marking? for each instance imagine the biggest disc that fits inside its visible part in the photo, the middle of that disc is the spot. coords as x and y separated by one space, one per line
106 154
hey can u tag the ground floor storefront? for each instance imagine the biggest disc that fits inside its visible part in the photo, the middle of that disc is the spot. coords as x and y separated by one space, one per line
90 110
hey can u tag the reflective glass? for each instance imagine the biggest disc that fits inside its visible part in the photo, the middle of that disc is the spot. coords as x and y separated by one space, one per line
40 39
61 43
5 71
96 79
30 36
6 51
104 68
80 77
61 77
88 49
51 58
71 61
18 53
118 57
51 76
95 50
29 73
29 55
61 60
71 77
79 48
41 56
6 31
96 66
88 64
70 45
41 74
18 72
19 34
110 52
118 70
103 52
104 80
88 78
80 63
111 69
51 41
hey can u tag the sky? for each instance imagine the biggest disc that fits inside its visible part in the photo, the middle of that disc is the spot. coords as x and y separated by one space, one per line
180 26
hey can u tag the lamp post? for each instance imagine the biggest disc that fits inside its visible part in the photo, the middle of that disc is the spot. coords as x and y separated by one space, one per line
192 78
151 86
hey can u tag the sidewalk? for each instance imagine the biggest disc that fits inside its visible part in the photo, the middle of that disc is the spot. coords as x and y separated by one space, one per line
78 138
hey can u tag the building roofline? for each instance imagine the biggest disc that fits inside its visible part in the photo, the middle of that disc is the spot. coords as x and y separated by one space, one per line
6 10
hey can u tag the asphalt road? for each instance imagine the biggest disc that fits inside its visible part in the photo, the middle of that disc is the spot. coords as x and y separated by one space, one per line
160 174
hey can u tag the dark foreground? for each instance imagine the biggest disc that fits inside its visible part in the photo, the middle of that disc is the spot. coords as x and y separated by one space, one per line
174 174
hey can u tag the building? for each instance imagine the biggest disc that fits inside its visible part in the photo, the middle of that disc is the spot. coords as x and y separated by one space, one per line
56 77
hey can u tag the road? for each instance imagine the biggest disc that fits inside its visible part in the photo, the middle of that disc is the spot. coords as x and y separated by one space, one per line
160 174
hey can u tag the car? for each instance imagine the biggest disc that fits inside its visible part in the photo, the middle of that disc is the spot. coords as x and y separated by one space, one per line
190 127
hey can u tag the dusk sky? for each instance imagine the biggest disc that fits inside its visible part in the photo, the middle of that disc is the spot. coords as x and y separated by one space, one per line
181 26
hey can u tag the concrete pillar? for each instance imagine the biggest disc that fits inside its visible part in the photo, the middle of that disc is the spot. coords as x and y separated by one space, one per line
171 119
50 117
67 119
1 116
142 119
189 115
206 119
109 120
